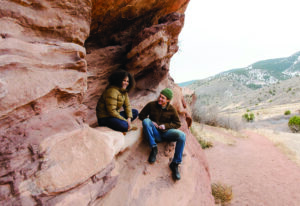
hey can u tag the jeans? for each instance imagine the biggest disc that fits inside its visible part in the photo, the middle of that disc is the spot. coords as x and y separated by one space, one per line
116 123
154 136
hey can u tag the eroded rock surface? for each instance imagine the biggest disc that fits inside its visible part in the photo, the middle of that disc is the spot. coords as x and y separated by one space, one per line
55 58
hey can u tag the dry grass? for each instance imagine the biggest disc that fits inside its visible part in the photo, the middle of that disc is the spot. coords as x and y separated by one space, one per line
287 143
222 193
216 134
285 150
204 143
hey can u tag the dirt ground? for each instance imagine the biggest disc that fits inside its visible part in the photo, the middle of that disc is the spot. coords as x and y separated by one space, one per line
261 164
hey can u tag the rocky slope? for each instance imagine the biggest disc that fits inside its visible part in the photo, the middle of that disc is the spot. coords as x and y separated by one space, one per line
54 61
265 72
261 84
230 96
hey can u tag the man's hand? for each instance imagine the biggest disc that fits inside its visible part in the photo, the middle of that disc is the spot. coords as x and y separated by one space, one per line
155 124
162 126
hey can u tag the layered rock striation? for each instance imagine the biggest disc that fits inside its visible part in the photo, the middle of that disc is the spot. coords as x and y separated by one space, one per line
55 58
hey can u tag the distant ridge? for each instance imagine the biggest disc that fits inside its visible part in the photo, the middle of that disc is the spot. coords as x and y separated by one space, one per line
183 84
267 82
259 74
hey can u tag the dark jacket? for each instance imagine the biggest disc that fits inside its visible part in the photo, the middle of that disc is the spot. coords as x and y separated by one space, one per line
167 116
111 101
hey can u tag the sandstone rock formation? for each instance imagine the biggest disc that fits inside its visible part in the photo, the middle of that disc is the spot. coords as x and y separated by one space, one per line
54 62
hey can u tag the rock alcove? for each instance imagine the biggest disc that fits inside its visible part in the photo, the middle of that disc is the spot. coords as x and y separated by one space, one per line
55 59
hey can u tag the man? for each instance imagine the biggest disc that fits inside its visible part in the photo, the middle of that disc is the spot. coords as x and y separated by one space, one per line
160 123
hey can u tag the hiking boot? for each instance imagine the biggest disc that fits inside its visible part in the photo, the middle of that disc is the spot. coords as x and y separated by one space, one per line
152 156
175 172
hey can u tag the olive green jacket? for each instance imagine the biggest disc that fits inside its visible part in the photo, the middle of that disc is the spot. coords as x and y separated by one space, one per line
168 116
111 101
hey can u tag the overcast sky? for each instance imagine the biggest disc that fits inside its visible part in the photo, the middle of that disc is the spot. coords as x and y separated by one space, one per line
220 35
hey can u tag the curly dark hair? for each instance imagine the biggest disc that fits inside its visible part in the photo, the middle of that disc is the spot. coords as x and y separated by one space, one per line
117 78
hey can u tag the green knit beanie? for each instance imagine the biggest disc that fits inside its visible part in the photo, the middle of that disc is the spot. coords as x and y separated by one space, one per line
167 92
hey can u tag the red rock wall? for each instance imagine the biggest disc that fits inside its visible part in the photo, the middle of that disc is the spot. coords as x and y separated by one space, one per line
55 57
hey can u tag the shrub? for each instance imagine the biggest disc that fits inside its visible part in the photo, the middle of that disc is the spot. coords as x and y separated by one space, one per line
205 144
222 193
294 124
210 115
272 92
287 112
248 117
251 116
206 115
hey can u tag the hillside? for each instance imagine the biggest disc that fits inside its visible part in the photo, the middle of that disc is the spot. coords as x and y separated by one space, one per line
265 72
268 82
260 73
228 94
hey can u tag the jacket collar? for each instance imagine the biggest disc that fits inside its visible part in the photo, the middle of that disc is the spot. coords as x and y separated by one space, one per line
119 88
166 108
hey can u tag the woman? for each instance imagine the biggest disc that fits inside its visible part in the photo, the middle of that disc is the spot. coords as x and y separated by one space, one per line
113 99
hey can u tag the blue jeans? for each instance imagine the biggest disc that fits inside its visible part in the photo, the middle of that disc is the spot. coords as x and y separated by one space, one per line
154 136
116 123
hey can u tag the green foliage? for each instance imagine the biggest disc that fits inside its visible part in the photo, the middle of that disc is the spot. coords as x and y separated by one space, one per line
249 117
254 86
287 112
289 89
294 124
246 116
272 92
